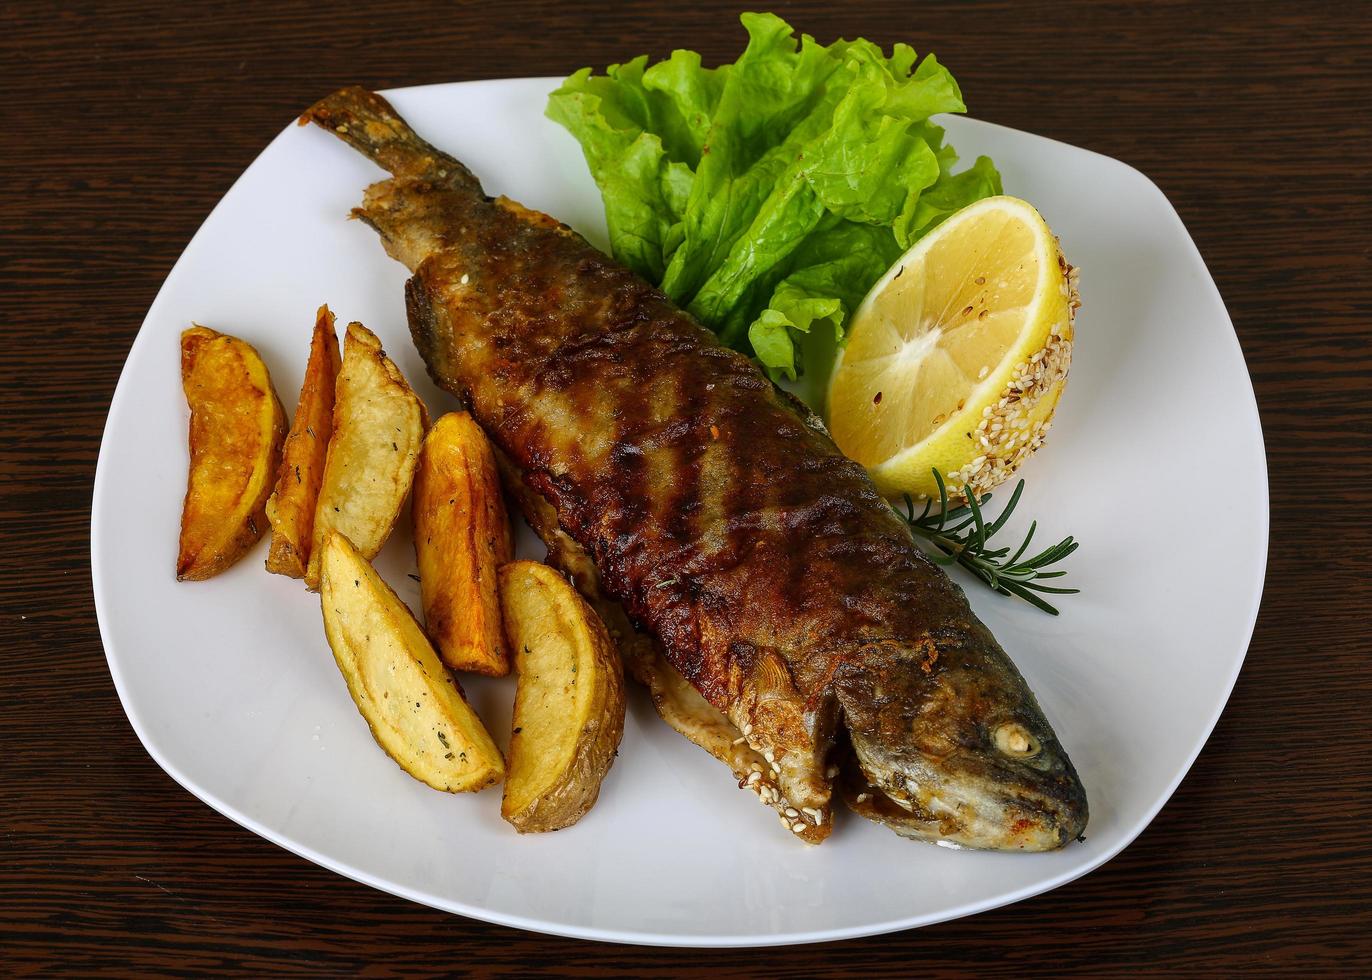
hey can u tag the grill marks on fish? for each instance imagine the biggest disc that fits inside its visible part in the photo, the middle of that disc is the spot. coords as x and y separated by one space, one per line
678 703
763 564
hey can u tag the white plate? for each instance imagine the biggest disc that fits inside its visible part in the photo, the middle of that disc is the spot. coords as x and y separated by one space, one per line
232 689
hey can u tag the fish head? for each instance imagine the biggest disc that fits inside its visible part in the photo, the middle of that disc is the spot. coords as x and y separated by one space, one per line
949 745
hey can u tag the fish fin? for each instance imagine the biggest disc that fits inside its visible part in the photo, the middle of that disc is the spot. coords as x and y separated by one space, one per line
368 123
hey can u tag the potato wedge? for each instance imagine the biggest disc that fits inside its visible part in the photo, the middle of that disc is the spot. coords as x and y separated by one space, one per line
236 429
378 426
461 538
290 508
569 703
413 706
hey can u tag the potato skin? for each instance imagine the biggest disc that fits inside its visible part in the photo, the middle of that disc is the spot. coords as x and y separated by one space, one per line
389 665
236 429
461 538
290 508
569 703
378 426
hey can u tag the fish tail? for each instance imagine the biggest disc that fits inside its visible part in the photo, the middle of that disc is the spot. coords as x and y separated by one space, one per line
369 124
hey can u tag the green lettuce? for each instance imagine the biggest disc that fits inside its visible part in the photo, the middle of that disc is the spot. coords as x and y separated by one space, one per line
767 196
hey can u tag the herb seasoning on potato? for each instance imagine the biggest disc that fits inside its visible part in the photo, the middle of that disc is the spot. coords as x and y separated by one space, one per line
414 707
569 703
461 538
378 425
236 428
290 508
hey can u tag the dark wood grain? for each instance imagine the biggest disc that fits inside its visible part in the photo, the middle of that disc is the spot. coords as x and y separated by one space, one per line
123 124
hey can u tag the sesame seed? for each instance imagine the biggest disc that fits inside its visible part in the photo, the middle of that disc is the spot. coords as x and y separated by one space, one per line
816 815
797 827
792 812
1004 431
465 279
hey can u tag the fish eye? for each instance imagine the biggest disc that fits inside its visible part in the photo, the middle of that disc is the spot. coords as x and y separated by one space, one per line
1016 741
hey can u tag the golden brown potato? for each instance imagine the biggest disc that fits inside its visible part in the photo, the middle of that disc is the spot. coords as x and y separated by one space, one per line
413 706
378 425
236 429
569 703
461 538
290 509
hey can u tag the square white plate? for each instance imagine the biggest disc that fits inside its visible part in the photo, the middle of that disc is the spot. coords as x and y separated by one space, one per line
233 691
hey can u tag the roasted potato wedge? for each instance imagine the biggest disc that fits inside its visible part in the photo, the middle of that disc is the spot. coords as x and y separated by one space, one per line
378 426
290 508
461 537
569 703
236 429
413 706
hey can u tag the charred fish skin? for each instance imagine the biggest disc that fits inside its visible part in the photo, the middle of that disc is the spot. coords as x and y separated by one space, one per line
676 702
763 562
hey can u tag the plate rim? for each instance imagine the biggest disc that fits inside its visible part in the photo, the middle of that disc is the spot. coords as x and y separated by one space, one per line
629 936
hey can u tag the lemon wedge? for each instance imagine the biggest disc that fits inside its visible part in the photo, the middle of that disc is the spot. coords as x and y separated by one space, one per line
958 355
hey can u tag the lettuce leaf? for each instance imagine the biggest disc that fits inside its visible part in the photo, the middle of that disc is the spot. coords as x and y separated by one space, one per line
767 196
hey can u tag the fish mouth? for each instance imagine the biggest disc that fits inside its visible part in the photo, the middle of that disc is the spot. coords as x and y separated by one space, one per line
969 799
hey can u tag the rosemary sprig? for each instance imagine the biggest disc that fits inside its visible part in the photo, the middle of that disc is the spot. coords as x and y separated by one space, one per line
960 535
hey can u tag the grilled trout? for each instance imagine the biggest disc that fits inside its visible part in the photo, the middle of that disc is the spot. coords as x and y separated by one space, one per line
778 609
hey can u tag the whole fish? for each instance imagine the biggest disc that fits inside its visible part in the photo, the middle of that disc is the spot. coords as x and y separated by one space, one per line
777 607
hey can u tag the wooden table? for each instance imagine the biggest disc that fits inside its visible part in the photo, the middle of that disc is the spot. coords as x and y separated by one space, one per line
124 123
